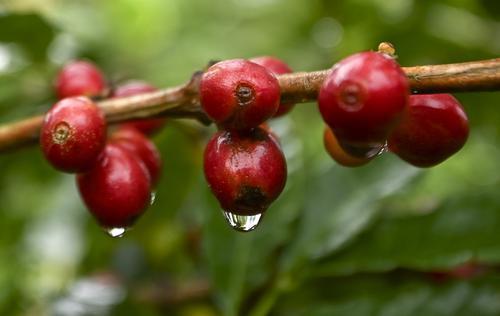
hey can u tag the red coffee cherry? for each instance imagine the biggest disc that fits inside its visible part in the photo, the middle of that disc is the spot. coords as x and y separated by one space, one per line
277 67
147 126
73 134
363 98
117 189
246 171
80 78
338 153
238 94
434 128
133 140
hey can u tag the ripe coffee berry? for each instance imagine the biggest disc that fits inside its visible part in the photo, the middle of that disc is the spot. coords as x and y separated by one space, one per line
117 189
80 78
277 67
147 126
338 153
246 171
133 140
363 98
73 134
238 94
434 128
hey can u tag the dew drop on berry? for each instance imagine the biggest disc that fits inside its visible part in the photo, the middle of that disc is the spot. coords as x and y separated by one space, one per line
116 232
383 149
364 151
152 198
242 223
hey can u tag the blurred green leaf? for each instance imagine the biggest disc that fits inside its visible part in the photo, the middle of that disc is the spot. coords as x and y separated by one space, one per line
341 203
399 294
28 30
461 230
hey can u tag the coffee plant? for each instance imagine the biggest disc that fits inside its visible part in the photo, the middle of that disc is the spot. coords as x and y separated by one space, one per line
214 174
364 100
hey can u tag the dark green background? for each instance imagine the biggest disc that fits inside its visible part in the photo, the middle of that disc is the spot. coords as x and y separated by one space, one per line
337 242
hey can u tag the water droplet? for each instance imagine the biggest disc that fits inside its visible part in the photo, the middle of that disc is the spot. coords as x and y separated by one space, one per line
152 198
383 149
116 232
364 152
242 223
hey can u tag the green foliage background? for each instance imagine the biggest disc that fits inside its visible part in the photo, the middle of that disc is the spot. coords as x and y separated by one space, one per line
337 242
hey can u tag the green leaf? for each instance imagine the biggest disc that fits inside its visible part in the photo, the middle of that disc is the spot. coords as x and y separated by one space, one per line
30 31
464 228
341 203
398 294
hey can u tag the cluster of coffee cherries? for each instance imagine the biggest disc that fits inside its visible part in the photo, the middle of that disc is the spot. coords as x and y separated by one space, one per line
116 173
366 104
365 101
243 162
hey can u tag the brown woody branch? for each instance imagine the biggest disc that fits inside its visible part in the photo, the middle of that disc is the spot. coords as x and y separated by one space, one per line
182 101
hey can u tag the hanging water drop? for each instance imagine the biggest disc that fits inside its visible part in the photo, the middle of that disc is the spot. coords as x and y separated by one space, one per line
363 152
242 223
116 232
152 198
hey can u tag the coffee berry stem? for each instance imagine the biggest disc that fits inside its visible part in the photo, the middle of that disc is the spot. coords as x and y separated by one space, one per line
299 87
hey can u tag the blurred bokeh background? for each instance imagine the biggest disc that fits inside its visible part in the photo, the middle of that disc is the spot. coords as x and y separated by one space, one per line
384 239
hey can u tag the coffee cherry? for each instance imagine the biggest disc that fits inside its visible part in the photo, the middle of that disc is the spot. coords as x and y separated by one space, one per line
362 99
133 140
338 153
277 67
434 128
246 171
147 126
238 94
73 134
80 78
117 189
